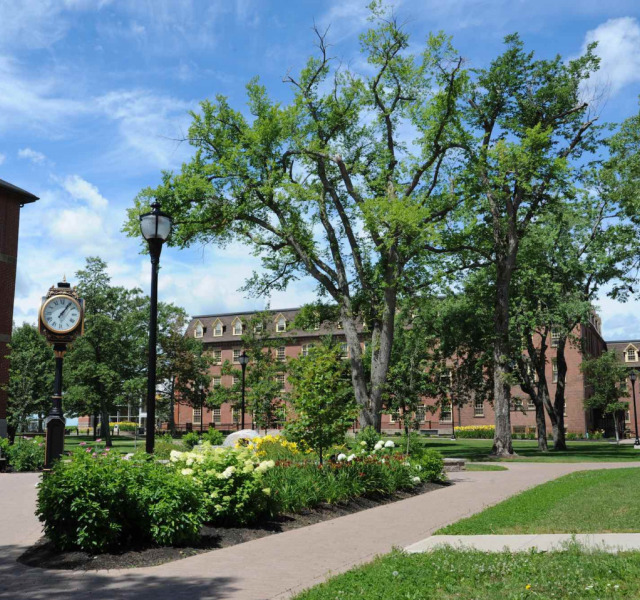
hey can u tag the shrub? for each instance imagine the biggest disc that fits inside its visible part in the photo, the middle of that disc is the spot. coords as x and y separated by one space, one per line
101 501
597 434
412 446
125 425
163 446
485 432
277 448
213 436
431 466
190 440
231 478
25 454
369 436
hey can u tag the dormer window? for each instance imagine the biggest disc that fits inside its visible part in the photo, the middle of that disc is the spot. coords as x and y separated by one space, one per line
198 330
236 326
257 328
281 324
217 328
631 354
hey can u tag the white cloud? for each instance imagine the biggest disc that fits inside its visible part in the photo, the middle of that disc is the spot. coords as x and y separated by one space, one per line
33 155
82 190
3 157
619 51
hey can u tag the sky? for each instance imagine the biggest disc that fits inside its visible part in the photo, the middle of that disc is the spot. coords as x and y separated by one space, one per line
95 97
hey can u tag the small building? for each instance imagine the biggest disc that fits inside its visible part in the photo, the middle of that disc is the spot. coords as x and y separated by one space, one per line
12 199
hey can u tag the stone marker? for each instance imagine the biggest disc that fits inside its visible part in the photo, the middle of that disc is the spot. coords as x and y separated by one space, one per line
243 434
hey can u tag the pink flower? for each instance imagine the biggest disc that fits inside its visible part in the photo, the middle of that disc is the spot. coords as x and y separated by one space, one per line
88 450
107 449
94 455
82 444
99 440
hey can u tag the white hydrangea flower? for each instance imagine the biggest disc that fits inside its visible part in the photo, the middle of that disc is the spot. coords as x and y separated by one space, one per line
341 457
389 444
175 456
187 471
350 457
415 479
363 443
189 462
379 445
228 472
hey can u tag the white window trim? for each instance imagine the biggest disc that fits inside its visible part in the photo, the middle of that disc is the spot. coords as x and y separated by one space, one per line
626 353
215 323
236 358
199 419
217 360
280 317
233 326
281 353
195 330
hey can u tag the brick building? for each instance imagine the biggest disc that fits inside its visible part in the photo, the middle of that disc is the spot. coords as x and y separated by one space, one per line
12 199
222 336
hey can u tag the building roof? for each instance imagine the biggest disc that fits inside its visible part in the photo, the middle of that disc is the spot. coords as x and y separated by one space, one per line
24 196
227 319
620 346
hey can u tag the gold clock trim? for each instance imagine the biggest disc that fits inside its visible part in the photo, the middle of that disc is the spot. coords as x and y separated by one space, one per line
56 297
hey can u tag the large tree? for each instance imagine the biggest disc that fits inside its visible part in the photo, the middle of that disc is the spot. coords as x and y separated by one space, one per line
31 376
327 186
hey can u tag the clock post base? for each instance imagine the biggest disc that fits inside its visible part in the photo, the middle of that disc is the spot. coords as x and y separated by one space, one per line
54 441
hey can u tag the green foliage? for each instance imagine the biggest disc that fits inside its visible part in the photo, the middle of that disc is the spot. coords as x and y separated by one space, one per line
607 378
25 454
164 444
213 436
369 436
231 480
99 502
481 432
322 398
31 376
190 440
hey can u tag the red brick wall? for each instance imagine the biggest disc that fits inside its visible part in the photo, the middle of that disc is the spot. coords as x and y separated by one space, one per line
9 222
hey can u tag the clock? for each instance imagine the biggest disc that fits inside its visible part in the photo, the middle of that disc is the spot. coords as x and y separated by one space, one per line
61 314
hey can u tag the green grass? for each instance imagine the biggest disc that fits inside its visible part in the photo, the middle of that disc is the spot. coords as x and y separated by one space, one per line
527 451
120 443
478 467
588 502
447 575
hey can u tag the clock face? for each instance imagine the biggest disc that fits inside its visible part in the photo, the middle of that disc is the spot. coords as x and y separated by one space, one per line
61 314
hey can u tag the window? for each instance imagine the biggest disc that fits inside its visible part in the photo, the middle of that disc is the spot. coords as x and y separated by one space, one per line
281 414
344 351
445 413
339 324
421 414
280 353
394 417
198 332
555 337
554 367
235 380
280 379
530 404
197 415
235 415
217 357
478 408
217 418
217 381
281 324
305 349
236 327
236 354
217 328
517 404
257 328
631 354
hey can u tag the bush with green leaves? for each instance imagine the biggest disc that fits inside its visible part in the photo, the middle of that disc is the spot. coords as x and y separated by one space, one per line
368 438
99 501
25 454
190 440
213 436
163 446
231 479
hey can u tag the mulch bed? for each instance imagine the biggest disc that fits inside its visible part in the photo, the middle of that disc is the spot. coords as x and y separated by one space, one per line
43 555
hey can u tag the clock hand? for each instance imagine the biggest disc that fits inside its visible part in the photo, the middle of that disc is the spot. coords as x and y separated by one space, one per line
64 310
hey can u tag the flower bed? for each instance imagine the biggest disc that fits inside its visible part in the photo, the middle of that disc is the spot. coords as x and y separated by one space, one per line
25 454
483 432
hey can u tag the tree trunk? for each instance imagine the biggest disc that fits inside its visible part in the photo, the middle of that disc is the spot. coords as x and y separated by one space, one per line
541 427
95 427
104 427
502 442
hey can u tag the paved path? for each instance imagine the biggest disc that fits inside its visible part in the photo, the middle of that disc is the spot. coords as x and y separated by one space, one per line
273 567
611 542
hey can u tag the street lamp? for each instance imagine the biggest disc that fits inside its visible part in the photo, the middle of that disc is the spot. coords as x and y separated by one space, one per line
633 376
243 359
155 227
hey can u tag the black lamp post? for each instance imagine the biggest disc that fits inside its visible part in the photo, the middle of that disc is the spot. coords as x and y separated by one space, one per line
243 359
155 227
633 376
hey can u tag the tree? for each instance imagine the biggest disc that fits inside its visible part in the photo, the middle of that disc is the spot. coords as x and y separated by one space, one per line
326 187
105 367
31 375
607 378
527 132
322 398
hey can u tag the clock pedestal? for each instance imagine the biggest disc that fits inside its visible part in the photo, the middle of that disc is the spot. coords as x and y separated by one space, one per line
55 421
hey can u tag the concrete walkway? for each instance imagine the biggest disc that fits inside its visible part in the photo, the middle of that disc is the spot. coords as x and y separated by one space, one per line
276 566
611 542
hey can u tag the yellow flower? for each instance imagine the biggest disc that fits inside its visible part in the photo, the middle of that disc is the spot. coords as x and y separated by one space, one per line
527 587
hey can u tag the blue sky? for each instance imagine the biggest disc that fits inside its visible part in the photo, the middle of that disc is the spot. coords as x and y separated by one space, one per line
95 93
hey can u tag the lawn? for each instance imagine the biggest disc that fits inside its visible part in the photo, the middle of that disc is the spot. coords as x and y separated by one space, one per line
527 451
448 574
120 443
600 501
483 467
